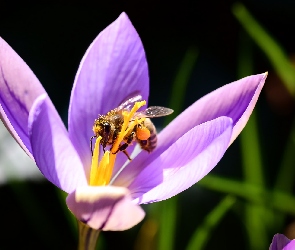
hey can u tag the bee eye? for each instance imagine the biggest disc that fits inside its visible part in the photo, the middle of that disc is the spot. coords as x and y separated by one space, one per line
107 127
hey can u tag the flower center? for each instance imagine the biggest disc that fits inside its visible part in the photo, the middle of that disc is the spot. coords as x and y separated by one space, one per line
101 171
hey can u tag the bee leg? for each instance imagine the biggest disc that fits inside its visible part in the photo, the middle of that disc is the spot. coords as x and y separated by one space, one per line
123 149
126 153
91 144
124 146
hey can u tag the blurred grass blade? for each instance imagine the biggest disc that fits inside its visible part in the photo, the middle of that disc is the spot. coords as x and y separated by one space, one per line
249 138
251 153
245 56
167 223
281 201
286 71
268 45
145 239
167 212
251 158
180 83
202 234
286 174
256 225
255 215
68 215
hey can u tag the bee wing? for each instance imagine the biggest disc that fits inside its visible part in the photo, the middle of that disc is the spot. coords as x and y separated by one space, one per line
129 103
153 111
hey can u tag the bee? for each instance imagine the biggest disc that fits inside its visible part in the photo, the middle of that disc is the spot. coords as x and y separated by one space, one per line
108 126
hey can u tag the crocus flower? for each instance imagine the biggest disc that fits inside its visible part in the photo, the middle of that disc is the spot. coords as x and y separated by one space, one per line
281 242
113 69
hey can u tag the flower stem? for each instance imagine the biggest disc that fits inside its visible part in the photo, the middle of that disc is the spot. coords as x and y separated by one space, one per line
87 237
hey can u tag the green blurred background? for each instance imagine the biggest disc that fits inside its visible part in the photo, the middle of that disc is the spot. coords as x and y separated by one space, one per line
192 48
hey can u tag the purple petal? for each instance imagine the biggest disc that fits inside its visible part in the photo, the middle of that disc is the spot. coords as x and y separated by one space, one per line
235 100
105 208
184 163
113 68
19 88
52 149
281 242
290 246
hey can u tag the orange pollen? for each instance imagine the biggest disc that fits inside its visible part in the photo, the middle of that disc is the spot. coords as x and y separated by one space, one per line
143 133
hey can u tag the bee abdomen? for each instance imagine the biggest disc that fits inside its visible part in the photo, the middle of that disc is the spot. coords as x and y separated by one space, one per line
151 143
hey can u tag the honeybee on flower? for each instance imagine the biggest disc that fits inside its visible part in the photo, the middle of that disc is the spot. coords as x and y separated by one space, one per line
140 128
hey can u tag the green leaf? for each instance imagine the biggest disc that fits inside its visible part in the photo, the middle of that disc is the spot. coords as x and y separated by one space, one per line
268 45
167 213
286 174
167 223
180 83
255 216
281 201
202 233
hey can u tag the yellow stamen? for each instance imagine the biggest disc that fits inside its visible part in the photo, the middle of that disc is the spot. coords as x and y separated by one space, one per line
101 172
109 173
132 124
94 165
127 117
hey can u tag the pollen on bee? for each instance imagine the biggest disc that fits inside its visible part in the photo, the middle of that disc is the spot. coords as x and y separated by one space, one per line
143 133
96 128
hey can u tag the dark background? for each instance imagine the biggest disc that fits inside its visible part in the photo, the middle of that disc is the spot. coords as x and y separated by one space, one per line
52 38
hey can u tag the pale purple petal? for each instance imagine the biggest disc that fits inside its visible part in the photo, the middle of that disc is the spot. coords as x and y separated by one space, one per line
184 163
52 149
19 88
235 100
290 246
281 242
113 68
105 208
